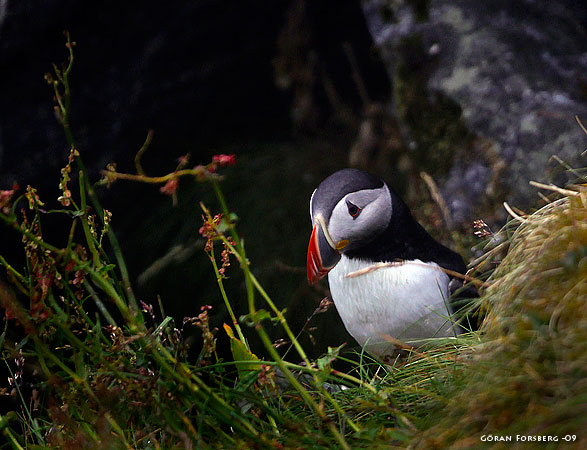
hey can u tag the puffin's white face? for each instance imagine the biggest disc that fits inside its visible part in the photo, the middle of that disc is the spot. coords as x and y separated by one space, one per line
343 221
359 217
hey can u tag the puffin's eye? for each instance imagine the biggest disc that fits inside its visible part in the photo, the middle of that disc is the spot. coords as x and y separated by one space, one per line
354 210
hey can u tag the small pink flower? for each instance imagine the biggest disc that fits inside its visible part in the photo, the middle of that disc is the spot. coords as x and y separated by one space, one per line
170 187
183 161
207 230
5 197
79 277
224 160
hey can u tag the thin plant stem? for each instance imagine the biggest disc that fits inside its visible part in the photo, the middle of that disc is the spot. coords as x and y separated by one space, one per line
99 303
64 102
118 430
41 349
12 270
219 279
85 225
10 437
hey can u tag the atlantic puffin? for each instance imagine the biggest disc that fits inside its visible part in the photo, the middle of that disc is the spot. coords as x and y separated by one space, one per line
358 222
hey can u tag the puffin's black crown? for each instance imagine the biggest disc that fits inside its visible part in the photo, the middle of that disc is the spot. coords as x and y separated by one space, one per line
339 184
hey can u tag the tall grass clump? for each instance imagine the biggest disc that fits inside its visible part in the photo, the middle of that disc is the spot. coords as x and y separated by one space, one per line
528 379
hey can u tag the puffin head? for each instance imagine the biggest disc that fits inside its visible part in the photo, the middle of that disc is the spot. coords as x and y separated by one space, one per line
348 209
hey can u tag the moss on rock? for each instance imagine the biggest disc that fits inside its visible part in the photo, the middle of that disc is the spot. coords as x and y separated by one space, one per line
434 120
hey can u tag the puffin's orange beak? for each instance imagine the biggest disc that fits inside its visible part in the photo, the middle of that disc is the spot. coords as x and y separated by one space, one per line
321 256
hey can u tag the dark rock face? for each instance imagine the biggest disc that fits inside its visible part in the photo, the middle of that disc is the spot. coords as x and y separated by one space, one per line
515 71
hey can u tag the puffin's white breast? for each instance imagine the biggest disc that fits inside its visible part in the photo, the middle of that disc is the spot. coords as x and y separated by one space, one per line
408 302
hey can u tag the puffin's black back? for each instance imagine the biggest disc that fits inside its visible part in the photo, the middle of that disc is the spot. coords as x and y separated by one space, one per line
406 239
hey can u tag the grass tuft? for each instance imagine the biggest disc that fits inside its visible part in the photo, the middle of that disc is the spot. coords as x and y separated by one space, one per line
528 377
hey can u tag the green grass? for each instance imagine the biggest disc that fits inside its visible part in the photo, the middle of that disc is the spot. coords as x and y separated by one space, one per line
93 368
